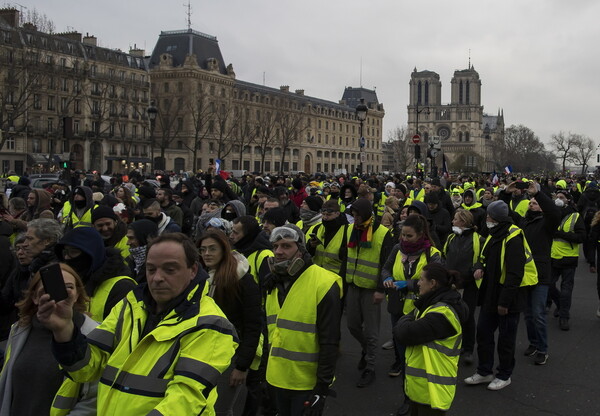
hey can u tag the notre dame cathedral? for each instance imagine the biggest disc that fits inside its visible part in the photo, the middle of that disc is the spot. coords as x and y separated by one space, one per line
468 136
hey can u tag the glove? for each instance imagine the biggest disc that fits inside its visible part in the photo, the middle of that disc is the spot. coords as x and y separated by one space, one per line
400 284
314 405
389 279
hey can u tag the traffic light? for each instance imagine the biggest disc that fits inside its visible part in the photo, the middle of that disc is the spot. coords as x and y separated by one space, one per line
417 152
66 164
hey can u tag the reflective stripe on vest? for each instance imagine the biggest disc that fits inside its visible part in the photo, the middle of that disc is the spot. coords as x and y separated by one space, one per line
363 263
470 207
328 257
521 207
563 248
420 196
530 276
100 296
476 245
255 260
294 349
398 274
432 368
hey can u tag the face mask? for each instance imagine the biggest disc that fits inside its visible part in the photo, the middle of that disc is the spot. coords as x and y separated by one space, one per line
457 230
559 203
229 216
286 267
307 214
81 264
79 203
153 219
490 224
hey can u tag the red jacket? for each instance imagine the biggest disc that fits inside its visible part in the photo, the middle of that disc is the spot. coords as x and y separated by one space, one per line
298 196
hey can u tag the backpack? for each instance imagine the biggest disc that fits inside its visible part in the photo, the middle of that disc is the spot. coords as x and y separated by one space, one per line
588 212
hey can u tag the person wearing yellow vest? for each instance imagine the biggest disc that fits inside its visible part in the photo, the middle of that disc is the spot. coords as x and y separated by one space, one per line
519 202
461 253
77 211
112 230
310 212
476 208
565 258
303 317
248 239
161 350
327 241
402 270
506 269
417 193
139 234
103 270
539 226
432 333
31 381
369 245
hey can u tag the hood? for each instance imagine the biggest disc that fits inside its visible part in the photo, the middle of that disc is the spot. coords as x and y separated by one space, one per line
592 194
113 266
88 240
242 264
87 192
260 242
44 199
238 206
352 188
421 207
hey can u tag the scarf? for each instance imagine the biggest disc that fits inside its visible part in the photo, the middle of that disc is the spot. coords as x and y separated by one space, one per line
139 257
362 236
409 249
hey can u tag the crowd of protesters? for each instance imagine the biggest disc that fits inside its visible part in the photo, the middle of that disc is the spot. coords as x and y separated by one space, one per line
228 292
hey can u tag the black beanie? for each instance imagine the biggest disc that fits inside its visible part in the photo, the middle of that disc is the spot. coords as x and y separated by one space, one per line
297 183
314 203
363 207
103 211
143 230
276 216
147 191
220 186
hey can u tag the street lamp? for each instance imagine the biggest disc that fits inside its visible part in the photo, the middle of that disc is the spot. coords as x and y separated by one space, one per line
417 146
152 111
361 115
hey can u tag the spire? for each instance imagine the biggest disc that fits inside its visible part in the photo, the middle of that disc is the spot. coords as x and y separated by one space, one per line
469 59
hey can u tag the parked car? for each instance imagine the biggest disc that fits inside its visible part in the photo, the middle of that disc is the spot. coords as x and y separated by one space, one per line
42 180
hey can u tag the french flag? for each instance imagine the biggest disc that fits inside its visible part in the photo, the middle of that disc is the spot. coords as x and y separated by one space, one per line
508 169
217 166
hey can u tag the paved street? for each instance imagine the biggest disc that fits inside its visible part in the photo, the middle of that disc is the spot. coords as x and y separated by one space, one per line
567 385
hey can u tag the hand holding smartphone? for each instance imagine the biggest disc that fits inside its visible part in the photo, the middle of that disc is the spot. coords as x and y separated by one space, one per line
53 282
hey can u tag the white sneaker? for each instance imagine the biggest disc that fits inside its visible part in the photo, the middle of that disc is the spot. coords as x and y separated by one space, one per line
479 379
498 384
388 345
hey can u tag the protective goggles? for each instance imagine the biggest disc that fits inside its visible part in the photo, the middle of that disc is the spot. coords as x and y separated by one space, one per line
280 233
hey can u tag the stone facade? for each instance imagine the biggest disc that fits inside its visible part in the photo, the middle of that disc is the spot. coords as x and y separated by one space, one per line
64 99
468 135
205 113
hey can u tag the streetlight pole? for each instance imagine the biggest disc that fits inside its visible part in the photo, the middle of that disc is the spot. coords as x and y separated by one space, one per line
152 111
361 115
417 146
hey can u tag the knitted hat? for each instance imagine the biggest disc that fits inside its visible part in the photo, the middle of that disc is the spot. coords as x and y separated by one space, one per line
102 211
391 184
363 207
498 211
431 198
297 183
147 191
314 203
276 216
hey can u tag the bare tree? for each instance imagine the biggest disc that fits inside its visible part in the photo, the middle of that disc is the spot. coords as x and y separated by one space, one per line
245 132
39 19
291 125
584 148
523 150
564 146
21 77
170 122
266 134
225 126
200 112
401 147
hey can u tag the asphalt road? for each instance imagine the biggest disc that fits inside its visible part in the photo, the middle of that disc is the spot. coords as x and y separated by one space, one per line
568 385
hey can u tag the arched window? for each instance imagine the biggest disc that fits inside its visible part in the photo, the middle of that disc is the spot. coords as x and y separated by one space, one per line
426 92
419 93
468 91
460 136
460 92
467 137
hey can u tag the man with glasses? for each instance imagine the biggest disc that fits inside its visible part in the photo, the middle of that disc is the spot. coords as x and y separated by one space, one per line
303 317
327 240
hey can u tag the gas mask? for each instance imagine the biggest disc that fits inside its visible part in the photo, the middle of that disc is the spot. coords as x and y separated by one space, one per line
286 267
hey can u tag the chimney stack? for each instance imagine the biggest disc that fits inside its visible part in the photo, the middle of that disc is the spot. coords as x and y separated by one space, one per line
90 40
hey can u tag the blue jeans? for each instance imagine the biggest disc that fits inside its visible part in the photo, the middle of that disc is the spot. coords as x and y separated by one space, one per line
562 297
507 326
535 317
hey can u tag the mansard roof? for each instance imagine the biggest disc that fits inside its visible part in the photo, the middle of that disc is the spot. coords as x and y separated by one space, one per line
180 43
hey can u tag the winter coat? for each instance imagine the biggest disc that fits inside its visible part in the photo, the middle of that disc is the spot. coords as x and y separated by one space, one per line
244 312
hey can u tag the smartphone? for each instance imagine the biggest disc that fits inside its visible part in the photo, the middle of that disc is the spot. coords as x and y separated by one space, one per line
314 236
522 185
53 282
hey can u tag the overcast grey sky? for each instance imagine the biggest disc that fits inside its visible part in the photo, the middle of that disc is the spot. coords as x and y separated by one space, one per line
537 59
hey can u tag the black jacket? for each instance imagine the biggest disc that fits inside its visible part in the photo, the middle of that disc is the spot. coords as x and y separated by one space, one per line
459 256
432 326
510 294
443 222
540 229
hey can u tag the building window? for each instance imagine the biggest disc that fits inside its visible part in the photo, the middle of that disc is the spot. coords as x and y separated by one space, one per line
77 105
37 102
36 146
50 125
134 130
64 104
468 92
93 70
75 126
419 93
64 84
467 137
10 143
426 92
